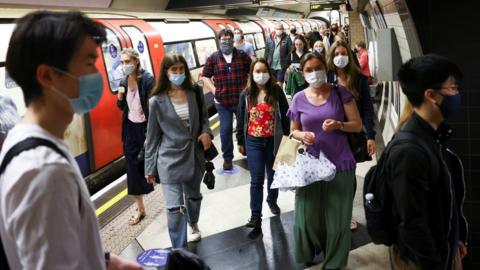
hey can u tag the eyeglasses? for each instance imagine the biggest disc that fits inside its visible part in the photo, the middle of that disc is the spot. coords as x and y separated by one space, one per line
450 89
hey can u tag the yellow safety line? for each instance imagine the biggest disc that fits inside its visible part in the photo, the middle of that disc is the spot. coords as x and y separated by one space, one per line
124 192
111 202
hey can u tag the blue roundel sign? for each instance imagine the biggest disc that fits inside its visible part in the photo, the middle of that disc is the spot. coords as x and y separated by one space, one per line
153 257
141 47
112 49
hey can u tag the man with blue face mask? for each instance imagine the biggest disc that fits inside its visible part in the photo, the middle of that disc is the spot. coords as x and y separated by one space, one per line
423 177
47 218
229 68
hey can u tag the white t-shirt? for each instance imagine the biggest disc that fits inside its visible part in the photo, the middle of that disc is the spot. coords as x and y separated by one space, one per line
47 220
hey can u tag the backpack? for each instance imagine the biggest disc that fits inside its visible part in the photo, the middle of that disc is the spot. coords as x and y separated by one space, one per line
378 200
27 144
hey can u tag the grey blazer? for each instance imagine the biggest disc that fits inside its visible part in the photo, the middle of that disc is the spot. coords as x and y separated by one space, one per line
172 151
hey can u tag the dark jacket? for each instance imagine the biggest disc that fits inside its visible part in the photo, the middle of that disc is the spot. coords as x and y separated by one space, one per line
282 122
285 46
146 82
364 103
424 191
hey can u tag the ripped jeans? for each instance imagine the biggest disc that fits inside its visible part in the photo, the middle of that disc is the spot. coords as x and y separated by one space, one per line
179 212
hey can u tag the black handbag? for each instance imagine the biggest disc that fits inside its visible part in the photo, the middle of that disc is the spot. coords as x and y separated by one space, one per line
357 141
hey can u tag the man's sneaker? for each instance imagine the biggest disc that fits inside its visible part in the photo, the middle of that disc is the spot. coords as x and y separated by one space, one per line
227 165
254 222
195 234
274 208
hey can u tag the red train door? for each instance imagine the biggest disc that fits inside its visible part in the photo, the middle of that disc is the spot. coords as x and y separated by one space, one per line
104 122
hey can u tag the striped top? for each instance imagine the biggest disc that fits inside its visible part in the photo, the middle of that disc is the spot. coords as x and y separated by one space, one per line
182 111
8 115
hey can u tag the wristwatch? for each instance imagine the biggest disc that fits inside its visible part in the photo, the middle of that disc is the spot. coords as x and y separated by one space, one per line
342 125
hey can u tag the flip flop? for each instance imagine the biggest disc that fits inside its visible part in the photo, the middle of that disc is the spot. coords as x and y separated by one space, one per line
136 219
353 225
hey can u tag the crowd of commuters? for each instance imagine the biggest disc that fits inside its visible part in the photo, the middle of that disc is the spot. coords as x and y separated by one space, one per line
49 222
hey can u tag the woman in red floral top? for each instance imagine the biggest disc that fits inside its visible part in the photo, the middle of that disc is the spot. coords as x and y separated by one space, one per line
262 122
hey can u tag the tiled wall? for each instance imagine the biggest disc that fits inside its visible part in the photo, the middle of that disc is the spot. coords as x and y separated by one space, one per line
356 28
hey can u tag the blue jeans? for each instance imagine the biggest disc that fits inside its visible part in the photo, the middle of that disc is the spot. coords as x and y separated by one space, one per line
260 158
225 114
180 212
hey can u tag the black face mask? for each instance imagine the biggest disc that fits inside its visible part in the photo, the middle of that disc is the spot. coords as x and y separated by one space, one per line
293 31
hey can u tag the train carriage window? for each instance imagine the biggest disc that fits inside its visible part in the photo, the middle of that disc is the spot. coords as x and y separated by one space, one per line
221 26
185 49
230 26
140 44
249 38
204 49
111 55
260 41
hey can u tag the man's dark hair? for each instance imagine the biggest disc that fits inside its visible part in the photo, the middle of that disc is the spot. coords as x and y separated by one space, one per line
45 37
225 32
425 72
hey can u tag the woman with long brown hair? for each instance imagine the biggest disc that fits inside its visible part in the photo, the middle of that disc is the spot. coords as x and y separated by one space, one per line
174 149
262 122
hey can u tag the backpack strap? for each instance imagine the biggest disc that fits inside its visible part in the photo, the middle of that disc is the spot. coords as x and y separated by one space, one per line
27 144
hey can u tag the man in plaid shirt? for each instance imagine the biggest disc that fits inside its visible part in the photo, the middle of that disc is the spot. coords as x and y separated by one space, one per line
229 68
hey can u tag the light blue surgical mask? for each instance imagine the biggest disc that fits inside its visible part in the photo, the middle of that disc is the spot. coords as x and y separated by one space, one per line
237 37
90 89
177 79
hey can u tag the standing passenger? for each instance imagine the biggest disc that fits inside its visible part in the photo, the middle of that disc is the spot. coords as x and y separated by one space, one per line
138 83
362 56
174 146
47 219
276 53
229 68
323 209
241 44
345 72
262 122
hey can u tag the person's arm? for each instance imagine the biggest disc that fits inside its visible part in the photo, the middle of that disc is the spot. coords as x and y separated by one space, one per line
366 107
153 139
206 135
267 51
121 100
353 122
283 103
44 218
207 74
409 178
241 111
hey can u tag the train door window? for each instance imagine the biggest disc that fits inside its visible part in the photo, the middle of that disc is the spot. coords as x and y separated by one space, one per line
250 39
111 56
140 44
185 49
221 26
204 49
260 41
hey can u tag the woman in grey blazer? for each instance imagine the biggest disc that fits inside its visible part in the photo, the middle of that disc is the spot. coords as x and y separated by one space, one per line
173 150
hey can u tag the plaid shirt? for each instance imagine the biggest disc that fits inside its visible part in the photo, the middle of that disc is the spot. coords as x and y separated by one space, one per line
229 79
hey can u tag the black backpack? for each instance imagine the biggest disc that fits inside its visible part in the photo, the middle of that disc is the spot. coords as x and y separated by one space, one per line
27 144
377 199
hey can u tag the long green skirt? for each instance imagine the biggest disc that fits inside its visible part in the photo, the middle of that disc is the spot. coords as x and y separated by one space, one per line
323 212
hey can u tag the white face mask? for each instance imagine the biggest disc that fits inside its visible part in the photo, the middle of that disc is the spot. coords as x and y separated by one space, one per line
340 61
261 78
316 78
319 49
279 32
128 69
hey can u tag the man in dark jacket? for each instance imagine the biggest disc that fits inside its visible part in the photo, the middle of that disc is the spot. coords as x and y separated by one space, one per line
276 52
424 177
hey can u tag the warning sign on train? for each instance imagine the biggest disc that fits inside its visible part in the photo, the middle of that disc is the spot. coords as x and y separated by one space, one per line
140 47
112 49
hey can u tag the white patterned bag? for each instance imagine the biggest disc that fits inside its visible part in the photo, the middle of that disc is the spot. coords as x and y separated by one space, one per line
304 171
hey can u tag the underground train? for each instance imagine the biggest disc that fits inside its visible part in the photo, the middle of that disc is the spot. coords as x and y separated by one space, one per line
94 138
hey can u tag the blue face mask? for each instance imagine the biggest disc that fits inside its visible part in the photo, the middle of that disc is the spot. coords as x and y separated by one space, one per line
90 89
450 105
177 79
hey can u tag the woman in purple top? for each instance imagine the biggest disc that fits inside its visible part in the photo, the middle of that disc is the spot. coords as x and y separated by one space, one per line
320 115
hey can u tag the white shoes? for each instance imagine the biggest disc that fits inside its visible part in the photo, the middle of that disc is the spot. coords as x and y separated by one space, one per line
195 234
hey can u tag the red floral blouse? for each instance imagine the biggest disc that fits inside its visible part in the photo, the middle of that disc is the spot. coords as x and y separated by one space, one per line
261 120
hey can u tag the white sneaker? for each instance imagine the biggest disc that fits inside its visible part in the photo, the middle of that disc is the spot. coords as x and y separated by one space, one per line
195 234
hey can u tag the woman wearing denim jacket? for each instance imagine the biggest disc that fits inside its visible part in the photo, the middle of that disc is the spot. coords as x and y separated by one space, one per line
262 122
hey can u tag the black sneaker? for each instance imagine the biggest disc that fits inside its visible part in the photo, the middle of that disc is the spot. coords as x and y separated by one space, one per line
227 165
254 222
274 208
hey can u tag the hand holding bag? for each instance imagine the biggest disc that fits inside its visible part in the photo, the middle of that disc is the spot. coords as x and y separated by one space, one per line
287 151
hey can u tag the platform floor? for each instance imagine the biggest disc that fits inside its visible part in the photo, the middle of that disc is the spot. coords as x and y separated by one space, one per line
226 243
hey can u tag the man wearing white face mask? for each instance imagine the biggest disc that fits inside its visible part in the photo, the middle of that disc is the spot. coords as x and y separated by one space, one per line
136 86
47 218
276 52
262 122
